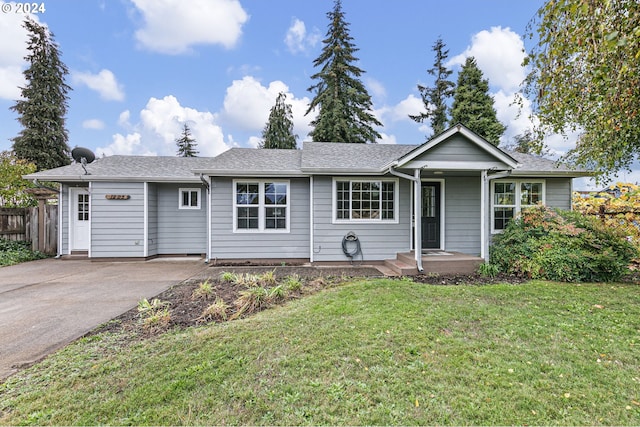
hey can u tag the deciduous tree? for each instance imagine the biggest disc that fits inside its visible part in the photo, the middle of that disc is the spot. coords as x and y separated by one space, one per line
42 109
343 103
586 77
12 185
278 132
472 104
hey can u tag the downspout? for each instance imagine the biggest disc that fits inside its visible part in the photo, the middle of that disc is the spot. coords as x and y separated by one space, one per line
206 180
486 179
416 180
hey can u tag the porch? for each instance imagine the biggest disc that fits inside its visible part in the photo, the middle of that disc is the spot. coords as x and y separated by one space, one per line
434 262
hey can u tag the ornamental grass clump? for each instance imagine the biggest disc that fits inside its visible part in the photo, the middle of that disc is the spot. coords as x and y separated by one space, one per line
562 246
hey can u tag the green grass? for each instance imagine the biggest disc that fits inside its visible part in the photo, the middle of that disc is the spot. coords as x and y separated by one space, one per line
376 352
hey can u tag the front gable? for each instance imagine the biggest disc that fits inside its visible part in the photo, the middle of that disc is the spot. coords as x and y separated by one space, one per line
458 148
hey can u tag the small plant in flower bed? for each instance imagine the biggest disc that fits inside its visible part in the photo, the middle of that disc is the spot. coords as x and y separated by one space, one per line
15 252
563 246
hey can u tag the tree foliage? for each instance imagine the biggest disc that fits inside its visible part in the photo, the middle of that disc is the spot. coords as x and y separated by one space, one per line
278 132
472 104
344 105
435 98
186 143
12 185
42 109
525 143
617 207
586 77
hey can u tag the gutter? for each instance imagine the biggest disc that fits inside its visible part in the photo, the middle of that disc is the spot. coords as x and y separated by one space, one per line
416 179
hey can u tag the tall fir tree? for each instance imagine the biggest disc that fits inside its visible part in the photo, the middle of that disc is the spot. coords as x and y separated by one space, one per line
278 132
186 143
473 106
42 109
344 105
436 98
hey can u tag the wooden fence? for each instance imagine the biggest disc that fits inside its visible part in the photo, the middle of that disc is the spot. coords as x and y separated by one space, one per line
38 225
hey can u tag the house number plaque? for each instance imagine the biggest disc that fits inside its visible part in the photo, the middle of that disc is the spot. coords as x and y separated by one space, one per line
117 196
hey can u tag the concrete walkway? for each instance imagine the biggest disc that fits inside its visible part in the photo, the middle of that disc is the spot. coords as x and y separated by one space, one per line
46 304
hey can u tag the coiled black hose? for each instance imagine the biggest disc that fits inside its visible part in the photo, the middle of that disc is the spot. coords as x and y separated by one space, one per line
351 238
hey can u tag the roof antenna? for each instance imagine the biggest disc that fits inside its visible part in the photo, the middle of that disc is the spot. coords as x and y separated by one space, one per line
84 156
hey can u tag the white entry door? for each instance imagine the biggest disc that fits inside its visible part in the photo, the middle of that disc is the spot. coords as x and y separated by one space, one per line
80 226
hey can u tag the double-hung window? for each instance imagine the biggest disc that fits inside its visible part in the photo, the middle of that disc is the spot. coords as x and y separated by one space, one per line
189 198
365 200
510 197
261 206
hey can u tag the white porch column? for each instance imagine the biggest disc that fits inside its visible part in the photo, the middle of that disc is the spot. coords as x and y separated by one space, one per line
417 214
484 248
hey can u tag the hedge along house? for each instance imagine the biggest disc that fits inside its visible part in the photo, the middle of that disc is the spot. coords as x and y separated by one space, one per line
446 196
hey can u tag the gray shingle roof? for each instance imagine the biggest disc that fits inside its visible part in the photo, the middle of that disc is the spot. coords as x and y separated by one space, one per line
314 158
132 168
337 156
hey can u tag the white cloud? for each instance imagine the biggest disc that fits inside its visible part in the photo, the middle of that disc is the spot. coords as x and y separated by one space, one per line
123 119
104 83
247 104
174 26
499 54
411 105
298 40
387 139
159 125
376 88
93 124
12 53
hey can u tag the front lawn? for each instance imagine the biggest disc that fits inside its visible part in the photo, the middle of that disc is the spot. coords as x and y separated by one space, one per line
374 352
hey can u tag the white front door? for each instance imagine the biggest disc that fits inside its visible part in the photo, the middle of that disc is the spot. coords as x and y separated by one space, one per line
79 225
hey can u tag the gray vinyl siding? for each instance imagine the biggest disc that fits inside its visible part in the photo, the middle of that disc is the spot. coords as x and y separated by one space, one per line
458 149
152 219
180 231
462 215
63 210
558 193
245 245
117 226
378 241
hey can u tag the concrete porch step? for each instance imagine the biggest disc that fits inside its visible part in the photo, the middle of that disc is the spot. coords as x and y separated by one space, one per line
443 262
401 268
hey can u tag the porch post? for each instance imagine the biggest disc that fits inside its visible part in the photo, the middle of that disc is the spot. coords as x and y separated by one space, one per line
417 214
484 253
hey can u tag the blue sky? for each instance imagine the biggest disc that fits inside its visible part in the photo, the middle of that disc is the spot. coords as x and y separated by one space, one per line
140 69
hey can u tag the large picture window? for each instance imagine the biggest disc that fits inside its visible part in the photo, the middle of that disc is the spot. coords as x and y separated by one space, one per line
365 200
261 206
510 197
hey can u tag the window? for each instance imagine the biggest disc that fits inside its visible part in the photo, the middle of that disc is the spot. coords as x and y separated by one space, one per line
261 206
189 198
83 207
365 200
510 197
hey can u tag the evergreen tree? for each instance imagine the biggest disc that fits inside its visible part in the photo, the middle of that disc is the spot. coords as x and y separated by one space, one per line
278 132
344 104
186 143
43 139
435 98
473 106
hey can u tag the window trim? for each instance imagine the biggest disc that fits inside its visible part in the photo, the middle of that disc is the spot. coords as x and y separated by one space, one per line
190 190
334 201
517 206
262 207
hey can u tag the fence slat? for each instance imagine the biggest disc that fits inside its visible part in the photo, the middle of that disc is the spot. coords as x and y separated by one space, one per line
28 224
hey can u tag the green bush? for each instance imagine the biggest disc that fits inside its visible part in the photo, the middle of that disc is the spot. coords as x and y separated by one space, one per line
563 246
14 252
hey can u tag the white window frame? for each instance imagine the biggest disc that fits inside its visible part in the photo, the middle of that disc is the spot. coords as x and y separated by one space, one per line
181 191
517 206
262 206
334 201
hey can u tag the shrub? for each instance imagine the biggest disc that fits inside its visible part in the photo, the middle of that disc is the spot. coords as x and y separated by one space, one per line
15 252
154 314
563 246
217 310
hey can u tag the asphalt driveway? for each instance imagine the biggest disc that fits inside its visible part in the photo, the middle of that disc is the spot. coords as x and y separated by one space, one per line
46 304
